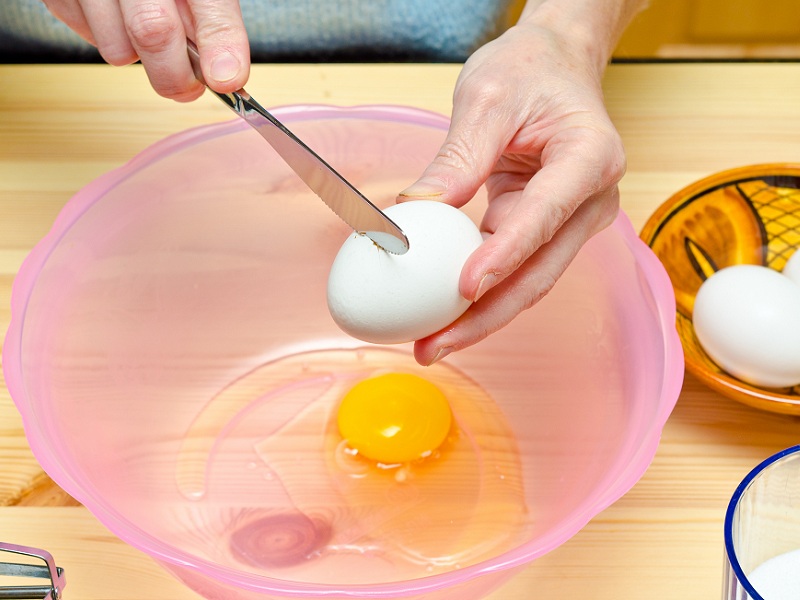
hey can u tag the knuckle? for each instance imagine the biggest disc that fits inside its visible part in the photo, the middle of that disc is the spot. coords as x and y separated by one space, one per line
481 333
479 329
608 147
520 248
219 20
617 163
559 213
609 208
151 27
545 282
117 56
486 95
183 94
603 166
493 91
217 28
455 153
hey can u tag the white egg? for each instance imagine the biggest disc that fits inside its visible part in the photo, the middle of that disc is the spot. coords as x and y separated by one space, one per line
792 267
747 318
388 298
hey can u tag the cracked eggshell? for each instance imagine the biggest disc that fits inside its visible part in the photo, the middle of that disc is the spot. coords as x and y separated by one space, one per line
386 298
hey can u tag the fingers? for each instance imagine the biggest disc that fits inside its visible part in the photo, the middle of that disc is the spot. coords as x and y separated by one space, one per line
105 20
71 13
525 286
521 222
157 34
221 39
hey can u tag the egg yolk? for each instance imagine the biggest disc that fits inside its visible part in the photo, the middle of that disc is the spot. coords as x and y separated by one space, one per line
394 418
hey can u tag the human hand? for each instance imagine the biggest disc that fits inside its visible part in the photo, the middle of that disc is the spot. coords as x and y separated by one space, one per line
155 32
529 121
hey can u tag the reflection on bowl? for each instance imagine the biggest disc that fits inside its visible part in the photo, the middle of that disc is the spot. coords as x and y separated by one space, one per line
748 215
174 360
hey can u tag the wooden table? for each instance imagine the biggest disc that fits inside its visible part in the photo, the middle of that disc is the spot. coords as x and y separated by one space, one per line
62 126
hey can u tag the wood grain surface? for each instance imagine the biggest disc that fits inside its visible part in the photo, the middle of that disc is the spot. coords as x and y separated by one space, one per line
63 126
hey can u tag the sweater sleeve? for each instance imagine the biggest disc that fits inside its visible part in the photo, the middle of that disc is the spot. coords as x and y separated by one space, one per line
313 30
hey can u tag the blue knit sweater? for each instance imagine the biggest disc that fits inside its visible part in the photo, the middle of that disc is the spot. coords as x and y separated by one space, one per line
356 30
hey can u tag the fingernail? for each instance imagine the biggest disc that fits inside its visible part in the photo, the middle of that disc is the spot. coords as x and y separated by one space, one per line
225 67
440 355
486 283
425 187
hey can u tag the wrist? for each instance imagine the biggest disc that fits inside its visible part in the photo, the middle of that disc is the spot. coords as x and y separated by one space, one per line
589 29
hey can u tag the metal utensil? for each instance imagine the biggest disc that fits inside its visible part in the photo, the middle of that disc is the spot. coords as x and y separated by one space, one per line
344 199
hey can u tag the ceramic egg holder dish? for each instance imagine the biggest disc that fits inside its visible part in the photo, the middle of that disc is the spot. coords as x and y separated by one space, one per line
238 443
729 243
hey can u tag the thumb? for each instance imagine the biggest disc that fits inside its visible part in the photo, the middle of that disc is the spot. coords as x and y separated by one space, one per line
221 39
463 163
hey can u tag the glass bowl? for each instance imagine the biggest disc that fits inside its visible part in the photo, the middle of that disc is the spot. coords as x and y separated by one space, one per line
176 368
747 215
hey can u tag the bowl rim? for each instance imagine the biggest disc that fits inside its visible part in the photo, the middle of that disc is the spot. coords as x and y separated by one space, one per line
722 382
653 277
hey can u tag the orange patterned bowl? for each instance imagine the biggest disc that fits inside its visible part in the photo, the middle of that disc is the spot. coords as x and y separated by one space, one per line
748 215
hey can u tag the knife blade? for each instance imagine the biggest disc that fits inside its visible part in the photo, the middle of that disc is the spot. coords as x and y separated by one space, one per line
342 197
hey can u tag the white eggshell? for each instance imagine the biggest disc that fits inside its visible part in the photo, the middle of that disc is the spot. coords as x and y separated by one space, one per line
387 298
792 267
747 318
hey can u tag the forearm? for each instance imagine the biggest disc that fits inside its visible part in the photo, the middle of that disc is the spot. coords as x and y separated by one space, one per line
592 27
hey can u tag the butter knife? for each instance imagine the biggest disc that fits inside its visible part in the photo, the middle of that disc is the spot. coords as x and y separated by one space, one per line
344 199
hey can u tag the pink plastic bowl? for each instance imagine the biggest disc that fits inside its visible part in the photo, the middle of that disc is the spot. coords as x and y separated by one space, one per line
173 291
